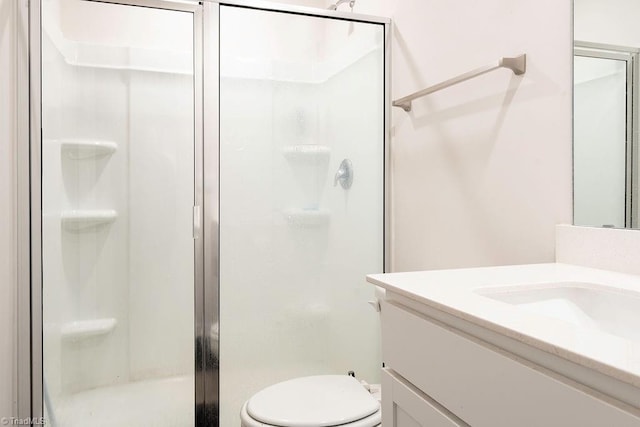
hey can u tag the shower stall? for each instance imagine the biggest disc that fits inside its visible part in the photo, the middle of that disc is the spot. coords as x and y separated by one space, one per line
208 188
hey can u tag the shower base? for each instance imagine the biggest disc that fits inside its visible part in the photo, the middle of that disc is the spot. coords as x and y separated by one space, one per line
166 402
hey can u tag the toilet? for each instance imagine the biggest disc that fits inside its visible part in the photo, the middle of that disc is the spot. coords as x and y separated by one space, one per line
316 401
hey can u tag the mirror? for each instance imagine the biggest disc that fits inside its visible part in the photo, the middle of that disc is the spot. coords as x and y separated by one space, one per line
605 115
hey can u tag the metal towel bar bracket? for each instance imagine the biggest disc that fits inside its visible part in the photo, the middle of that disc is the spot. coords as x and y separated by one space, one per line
517 64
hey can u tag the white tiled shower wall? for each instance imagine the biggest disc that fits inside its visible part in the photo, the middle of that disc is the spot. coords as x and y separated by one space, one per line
612 22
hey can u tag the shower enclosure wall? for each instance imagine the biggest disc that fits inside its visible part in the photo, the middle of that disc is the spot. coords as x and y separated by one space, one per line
205 203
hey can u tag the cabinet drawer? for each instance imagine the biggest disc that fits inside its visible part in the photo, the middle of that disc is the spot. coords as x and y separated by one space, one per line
485 386
403 405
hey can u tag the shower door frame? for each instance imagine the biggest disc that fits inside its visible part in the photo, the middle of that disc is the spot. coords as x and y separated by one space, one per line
29 382
212 107
30 375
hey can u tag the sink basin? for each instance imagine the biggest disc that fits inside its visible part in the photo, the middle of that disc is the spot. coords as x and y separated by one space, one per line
588 305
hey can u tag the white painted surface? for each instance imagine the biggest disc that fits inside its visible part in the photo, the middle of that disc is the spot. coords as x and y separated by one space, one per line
609 22
605 248
8 118
484 386
458 292
481 171
407 406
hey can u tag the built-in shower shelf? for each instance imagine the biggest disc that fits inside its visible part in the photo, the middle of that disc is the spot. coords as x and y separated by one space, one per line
84 329
307 218
309 152
81 149
87 220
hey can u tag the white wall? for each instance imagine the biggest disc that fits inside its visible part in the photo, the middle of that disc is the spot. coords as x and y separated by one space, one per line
610 22
482 171
7 205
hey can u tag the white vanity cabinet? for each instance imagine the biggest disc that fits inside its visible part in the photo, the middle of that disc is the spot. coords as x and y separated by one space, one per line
403 405
436 375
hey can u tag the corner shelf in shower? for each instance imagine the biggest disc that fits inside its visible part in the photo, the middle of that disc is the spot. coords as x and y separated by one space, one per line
84 329
307 152
86 220
80 149
307 218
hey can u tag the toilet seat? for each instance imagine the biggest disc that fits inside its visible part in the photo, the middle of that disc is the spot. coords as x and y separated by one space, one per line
318 401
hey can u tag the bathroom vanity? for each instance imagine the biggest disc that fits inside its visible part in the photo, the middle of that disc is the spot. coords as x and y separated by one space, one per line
530 345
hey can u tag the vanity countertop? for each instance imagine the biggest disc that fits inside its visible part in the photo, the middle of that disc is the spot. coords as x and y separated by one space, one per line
458 292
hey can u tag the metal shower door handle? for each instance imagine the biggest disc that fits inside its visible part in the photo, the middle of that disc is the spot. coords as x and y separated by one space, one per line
344 175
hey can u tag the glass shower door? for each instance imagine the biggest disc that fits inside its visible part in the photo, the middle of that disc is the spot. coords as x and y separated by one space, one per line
301 198
118 175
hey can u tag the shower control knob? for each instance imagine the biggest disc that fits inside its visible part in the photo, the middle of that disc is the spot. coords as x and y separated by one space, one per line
344 175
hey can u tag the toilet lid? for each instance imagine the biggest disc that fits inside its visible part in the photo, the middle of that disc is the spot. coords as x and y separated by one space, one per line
319 401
